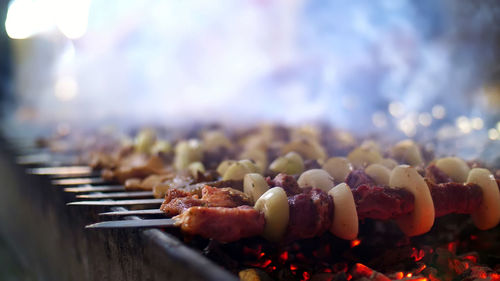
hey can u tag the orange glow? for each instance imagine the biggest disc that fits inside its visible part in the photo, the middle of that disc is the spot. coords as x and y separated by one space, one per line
471 258
266 263
452 247
293 267
363 270
355 243
284 256
417 254
495 277
482 274
262 254
409 275
399 275
420 269
420 279
466 265
349 277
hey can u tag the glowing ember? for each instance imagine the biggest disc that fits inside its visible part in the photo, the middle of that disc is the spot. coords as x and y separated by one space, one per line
266 263
420 268
284 256
399 275
293 267
409 275
417 254
306 276
452 247
362 270
355 243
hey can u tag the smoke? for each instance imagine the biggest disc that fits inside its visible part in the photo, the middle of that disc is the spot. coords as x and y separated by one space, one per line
346 62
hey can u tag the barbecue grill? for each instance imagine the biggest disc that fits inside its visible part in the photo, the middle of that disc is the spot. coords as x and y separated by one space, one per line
47 207
424 71
50 237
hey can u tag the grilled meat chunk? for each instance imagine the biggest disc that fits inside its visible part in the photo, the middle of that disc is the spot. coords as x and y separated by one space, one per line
357 178
436 175
135 166
287 182
382 203
222 224
456 198
177 200
311 214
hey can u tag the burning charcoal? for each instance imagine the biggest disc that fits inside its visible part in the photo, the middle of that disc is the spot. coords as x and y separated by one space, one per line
252 274
362 272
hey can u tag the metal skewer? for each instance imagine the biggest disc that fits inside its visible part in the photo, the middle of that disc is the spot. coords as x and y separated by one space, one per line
134 224
117 202
134 212
78 181
62 171
117 195
98 188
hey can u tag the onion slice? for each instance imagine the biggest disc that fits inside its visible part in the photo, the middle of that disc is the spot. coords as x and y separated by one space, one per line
421 219
274 204
345 217
379 173
488 214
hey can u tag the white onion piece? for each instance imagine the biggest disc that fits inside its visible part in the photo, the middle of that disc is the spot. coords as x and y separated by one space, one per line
362 157
254 185
421 219
316 178
345 217
274 204
338 167
236 171
379 173
290 164
250 165
488 214
408 152
389 163
222 168
454 167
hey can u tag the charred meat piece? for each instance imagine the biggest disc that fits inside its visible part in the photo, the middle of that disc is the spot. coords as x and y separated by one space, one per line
177 200
224 197
222 224
147 183
287 182
382 203
357 178
235 184
311 214
456 198
135 166
436 175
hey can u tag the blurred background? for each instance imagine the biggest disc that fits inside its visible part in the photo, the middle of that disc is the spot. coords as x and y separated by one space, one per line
428 70
361 65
